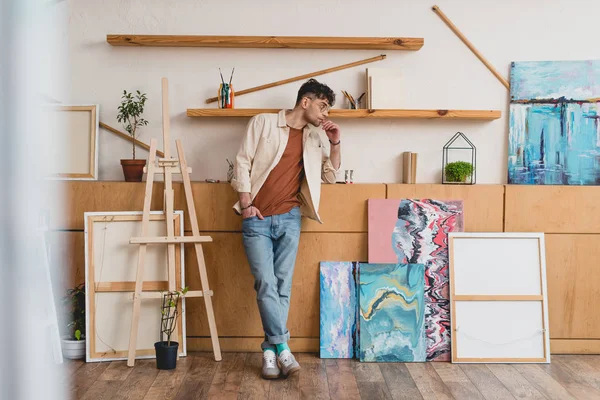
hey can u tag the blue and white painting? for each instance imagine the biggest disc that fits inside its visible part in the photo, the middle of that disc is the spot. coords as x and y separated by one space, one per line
392 312
554 136
338 306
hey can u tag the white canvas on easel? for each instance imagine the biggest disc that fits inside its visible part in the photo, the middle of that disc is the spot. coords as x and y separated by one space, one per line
498 296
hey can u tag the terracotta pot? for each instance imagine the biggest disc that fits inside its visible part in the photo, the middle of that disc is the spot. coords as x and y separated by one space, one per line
133 170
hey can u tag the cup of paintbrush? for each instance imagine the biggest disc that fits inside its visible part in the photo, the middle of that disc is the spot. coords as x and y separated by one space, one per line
351 102
226 94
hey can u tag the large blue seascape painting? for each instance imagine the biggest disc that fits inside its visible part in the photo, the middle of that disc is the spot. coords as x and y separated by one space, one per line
554 136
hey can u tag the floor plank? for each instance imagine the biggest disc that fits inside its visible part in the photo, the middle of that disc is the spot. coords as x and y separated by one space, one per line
428 381
253 385
65 376
486 382
341 379
543 382
370 381
579 366
516 383
575 384
85 377
285 388
69 367
139 380
116 371
456 381
399 381
238 375
167 382
228 377
103 389
592 360
313 377
196 383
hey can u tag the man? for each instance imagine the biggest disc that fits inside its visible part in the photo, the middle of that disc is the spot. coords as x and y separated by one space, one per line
278 172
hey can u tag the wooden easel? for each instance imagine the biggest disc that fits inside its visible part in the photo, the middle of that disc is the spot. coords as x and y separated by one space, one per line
168 166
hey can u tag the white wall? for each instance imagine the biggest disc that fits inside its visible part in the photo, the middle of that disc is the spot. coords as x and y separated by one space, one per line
443 74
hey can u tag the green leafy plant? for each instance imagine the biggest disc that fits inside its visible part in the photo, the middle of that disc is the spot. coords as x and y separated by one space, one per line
130 114
169 312
74 302
458 171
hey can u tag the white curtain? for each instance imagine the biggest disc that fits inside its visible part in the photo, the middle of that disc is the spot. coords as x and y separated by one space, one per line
30 63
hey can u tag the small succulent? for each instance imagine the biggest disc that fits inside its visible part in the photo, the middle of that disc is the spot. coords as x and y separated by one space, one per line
458 171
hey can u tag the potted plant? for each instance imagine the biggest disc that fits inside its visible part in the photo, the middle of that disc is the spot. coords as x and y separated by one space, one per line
130 112
166 350
458 171
73 343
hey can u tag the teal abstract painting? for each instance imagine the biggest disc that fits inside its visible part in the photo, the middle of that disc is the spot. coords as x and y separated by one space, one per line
392 312
554 136
338 306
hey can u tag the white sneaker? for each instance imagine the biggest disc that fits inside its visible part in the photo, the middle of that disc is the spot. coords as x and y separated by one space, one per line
270 370
288 363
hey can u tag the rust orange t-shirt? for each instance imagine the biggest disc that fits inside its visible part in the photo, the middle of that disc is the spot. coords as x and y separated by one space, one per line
278 194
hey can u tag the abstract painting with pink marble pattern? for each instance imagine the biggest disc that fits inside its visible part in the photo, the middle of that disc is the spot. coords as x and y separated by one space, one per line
416 232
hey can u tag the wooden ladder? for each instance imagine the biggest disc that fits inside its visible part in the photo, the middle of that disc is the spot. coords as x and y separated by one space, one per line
168 166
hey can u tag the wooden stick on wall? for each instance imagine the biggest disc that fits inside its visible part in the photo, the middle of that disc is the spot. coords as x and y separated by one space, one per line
127 137
462 37
305 76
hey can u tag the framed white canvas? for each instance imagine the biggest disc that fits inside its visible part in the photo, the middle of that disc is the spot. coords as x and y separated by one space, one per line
74 130
498 298
110 275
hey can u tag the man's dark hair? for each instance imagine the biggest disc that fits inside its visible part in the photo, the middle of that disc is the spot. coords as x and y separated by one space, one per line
315 89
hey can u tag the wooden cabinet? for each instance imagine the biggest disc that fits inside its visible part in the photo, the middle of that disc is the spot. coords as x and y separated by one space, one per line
568 215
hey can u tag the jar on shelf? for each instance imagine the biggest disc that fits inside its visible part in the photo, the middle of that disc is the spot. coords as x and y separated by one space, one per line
225 96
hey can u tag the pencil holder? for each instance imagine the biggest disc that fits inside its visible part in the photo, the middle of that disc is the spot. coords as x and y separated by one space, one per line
225 95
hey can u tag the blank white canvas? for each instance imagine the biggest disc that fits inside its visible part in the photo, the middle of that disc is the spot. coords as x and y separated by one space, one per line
499 329
77 133
114 312
496 265
115 260
386 88
503 266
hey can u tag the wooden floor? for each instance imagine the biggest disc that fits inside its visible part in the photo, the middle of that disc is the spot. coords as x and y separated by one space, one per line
198 376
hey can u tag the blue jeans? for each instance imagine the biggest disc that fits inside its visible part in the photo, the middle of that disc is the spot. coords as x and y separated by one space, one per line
271 246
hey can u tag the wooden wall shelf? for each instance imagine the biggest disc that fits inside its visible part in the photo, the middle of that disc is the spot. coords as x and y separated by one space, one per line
270 42
344 113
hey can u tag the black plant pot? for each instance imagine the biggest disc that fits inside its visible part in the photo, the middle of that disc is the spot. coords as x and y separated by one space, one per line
166 356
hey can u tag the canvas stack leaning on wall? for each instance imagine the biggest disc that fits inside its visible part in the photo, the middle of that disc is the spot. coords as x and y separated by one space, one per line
395 307
406 280
422 266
